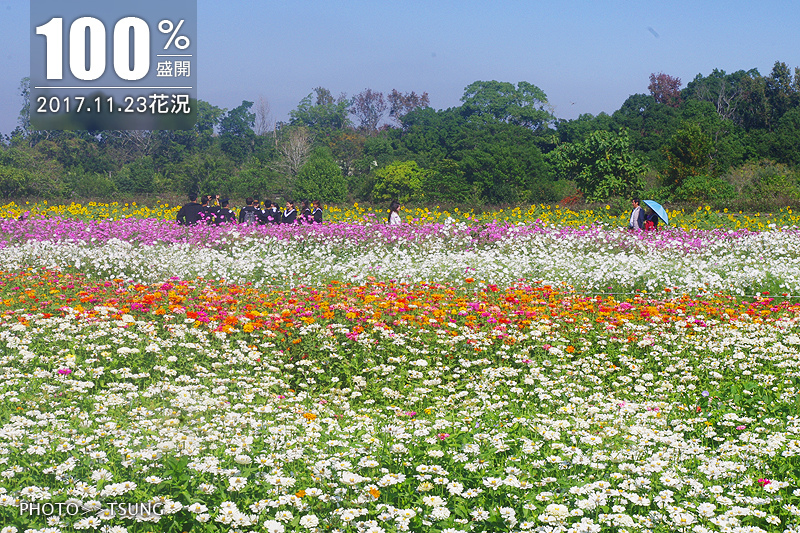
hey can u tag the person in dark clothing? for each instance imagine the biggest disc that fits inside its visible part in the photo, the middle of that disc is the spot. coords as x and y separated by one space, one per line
214 206
317 214
290 213
264 214
651 220
206 211
306 217
225 214
249 214
274 214
189 214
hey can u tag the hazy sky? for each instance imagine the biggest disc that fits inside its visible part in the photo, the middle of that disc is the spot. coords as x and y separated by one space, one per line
587 56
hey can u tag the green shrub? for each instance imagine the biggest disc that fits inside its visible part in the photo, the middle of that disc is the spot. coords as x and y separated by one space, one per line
401 180
704 189
320 178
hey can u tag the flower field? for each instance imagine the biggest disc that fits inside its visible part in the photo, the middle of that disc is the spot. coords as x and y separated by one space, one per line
441 376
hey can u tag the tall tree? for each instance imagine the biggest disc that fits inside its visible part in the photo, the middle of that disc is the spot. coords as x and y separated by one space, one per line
320 112
369 107
524 105
665 89
25 113
782 92
294 148
236 134
264 123
688 154
401 104
731 94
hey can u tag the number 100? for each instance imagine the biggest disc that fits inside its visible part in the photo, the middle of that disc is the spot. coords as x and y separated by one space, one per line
53 33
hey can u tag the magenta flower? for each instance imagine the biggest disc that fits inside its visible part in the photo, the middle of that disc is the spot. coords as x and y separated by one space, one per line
65 371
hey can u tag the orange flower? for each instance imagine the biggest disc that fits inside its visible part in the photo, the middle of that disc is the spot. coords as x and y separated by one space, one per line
375 493
300 493
469 280
570 349
309 416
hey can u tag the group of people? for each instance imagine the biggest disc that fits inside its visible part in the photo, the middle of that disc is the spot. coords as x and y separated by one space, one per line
641 219
214 210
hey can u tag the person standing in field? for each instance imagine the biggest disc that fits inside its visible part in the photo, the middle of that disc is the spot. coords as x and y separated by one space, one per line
225 215
189 214
249 214
290 214
637 216
317 212
394 216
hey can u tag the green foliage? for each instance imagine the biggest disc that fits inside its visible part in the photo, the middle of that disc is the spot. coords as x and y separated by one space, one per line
446 182
136 177
765 180
687 154
92 185
704 189
502 161
787 138
321 179
401 180
236 134
602 166
523 105
26 172
255 179
320 112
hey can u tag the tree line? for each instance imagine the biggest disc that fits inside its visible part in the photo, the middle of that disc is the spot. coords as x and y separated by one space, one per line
728 139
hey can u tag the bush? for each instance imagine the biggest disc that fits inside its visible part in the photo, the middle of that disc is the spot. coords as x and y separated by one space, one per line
321 179
401 180
764 181
704 189
136 177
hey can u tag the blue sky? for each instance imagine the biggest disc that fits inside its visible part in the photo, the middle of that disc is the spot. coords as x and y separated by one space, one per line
587 56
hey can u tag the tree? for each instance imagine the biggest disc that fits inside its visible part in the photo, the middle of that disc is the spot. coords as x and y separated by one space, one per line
688 153
263 123
501 161
294 148
524 105
401 104
445 181
320 112
729 93
236 134
25 113
602 166
781 91
665 89
321 179
401 181
347 147
368 106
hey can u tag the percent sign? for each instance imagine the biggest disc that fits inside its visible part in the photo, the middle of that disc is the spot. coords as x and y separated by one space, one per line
166 26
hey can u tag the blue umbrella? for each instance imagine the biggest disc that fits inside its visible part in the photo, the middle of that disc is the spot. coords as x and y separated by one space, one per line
658 210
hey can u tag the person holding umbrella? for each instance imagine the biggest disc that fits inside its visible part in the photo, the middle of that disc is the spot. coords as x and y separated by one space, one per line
656 213
637 216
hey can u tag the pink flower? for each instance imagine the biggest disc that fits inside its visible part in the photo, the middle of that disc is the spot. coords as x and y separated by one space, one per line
740 428
443 436
764 482
64 371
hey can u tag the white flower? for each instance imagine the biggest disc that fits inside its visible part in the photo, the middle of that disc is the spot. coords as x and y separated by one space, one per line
309 521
